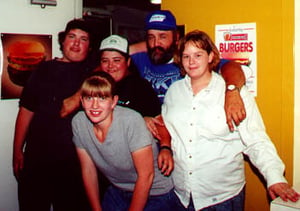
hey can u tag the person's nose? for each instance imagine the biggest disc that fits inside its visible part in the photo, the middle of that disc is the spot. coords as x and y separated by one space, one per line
157 42
110 64
76 42
191 60
95 102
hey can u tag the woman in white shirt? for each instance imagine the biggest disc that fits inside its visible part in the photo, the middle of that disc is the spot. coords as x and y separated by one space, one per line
209 165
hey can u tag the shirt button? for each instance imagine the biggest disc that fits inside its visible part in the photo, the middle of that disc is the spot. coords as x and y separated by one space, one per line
190 173
190 156
190 140
191 124
194 108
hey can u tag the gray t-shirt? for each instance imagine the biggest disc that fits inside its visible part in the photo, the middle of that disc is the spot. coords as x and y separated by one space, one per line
127 133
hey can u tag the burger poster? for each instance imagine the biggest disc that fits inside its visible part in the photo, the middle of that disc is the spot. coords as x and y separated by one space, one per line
21 54
238 42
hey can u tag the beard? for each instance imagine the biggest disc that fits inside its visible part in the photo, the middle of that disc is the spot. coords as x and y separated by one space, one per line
159 55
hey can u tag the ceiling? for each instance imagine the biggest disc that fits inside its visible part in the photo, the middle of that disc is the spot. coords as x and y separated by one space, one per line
136 4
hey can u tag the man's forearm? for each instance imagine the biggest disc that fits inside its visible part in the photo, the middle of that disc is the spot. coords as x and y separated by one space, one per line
234 105
137 48
233 74
70 105
165 138
22 123
90 179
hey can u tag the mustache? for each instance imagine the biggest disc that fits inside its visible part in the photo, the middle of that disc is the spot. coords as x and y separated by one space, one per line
158 48
160 55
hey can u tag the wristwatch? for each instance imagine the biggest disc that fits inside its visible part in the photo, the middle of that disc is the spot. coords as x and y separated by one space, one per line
232 87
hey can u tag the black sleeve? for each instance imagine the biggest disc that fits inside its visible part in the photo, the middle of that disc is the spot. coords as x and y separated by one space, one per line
148 103
29 96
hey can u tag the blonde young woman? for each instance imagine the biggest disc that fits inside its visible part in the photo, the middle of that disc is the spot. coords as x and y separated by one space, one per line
209 165
116 141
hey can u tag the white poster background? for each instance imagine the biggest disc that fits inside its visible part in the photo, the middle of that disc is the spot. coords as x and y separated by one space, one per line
238 42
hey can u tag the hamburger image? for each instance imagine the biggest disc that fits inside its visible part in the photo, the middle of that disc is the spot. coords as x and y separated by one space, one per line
243 58
24 57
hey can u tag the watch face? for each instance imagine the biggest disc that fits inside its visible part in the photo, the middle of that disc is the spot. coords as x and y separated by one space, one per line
231 87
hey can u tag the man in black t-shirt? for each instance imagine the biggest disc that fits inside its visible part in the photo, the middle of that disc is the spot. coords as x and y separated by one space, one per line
48 170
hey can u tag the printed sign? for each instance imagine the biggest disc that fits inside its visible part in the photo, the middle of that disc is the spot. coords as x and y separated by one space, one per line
237 42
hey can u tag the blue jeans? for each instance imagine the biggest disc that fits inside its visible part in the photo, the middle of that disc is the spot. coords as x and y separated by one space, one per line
116 199
234 204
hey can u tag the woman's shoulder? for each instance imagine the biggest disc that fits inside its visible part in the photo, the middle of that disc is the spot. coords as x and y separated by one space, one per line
79 117
125 112
178 84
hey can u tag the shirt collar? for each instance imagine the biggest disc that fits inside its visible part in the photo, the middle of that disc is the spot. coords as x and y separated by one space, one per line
206 89
170 61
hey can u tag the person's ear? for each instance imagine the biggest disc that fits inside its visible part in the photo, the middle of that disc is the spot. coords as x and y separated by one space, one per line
128 62
177 36
81 100
211 57
115 101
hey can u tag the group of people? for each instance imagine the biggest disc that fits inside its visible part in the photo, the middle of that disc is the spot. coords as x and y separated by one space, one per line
170 137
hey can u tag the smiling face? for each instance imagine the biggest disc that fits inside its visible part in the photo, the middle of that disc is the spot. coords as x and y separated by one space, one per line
195 61
115 64
75 46
99 109
98 98
197 43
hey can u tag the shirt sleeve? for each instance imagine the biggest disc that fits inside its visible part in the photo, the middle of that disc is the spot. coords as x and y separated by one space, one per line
29 96
139 62
76 131
138 134
258 146
148 103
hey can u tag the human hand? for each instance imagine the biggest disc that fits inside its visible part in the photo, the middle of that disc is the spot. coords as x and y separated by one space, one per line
18 163
234 109
165 162
284 191
69 105
152 124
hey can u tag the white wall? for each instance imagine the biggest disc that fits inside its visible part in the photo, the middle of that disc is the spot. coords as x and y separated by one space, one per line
296 181
19 16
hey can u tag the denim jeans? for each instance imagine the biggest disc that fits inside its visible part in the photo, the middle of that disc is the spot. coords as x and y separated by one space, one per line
116 199
234 204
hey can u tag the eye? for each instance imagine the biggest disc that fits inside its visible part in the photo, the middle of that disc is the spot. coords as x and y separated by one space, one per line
103 61
150 37
70 36
163 36
185 56
85 39
117 60
88 98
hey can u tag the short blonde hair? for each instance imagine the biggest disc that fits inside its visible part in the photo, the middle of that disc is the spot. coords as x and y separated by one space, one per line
98 84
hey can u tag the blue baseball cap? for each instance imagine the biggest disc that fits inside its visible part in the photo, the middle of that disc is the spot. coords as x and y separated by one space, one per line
161 20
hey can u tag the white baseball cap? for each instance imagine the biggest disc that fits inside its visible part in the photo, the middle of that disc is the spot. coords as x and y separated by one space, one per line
115 42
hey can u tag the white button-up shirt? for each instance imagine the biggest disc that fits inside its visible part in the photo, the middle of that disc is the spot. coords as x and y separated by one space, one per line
209 162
